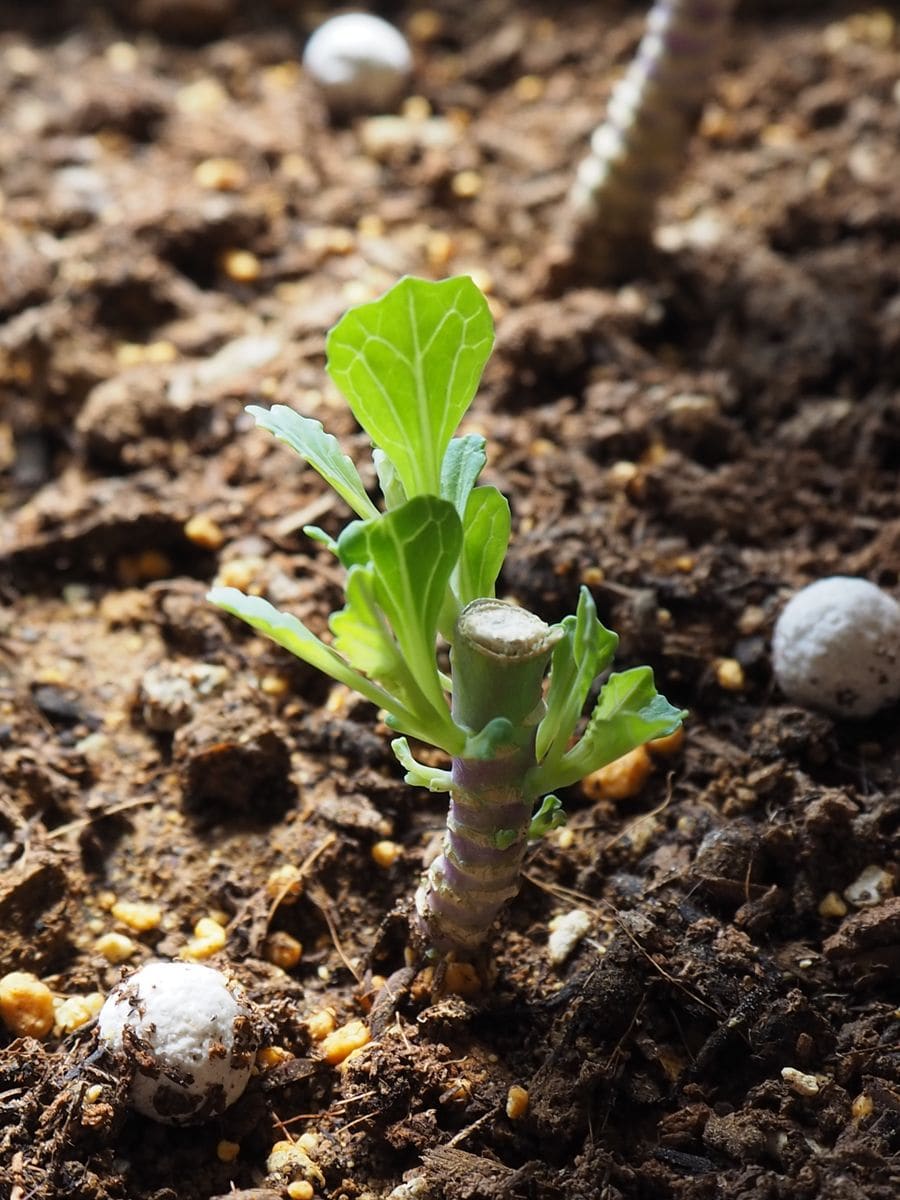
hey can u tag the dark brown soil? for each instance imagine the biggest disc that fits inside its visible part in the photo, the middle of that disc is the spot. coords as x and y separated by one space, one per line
719 1031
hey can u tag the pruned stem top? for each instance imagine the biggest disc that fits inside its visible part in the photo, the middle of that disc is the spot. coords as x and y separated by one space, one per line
499 658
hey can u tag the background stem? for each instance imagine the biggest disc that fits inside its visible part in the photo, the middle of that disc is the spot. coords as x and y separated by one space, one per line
640 148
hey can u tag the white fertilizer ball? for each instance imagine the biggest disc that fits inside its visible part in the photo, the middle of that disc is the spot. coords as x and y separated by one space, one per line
837 647
190 1035
360 62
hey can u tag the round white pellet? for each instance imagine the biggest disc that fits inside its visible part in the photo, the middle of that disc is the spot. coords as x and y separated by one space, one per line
837 647
190 1034
361 63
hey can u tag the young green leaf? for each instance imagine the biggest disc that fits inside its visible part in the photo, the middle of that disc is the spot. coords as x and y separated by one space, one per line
628 713
578 658
363 636
463 463
388 480
293 635
485 540
315 534
549 816
409 554
320 449
499 734
409 365
417 774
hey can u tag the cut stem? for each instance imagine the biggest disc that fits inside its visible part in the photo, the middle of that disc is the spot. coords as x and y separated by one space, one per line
500 654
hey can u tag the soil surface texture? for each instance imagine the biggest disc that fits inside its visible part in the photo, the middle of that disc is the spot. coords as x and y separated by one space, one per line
181 223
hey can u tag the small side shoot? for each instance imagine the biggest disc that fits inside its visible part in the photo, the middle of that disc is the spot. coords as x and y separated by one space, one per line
420 571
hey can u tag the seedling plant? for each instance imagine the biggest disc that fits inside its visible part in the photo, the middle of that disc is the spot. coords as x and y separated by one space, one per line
421 571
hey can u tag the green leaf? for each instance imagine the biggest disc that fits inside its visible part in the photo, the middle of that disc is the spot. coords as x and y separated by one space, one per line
628 713
315 534
409 365
463 463
499 734
548 817
353 544
485 540
388 480
363 637
319 449
293 635
399 571
581 654
414 549
417 773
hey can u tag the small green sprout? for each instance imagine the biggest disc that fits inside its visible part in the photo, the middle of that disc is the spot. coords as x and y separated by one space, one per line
423 571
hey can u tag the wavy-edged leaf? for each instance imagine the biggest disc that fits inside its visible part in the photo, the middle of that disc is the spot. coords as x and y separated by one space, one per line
586 649
409 365
320 449
629 712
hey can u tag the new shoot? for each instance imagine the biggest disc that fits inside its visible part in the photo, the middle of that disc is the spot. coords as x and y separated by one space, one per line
421 568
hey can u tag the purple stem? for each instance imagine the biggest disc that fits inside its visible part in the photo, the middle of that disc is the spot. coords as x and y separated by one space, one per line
499 657
472 878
